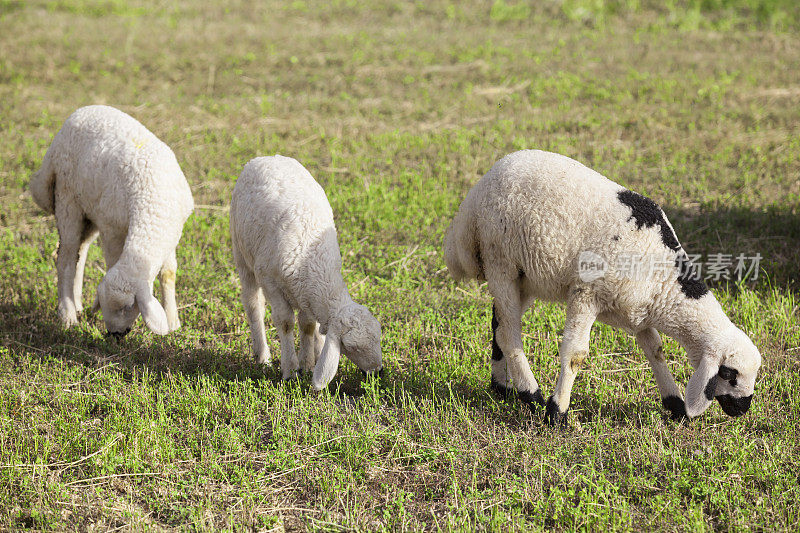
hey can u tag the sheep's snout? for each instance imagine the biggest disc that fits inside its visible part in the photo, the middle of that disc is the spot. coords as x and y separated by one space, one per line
381 372
118 335
734 406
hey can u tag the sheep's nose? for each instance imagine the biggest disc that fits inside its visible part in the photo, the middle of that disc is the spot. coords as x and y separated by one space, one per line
734 406
118 335
380 372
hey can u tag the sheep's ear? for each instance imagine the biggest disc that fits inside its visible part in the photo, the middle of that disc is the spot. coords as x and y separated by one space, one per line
701 388
328 362
153 314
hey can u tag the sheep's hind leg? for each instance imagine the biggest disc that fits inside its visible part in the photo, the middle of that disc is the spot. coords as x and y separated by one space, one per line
508 356
167 276
70 222
311 341
500 382
671 397
283 318
253 301
572 352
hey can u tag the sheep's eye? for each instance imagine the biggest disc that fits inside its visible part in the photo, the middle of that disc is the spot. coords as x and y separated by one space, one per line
728 374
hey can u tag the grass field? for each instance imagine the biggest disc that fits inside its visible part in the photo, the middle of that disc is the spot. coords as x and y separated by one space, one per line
397 108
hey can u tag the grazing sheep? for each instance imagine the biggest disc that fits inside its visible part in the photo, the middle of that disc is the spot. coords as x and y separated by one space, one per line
541 225
106 174
284 244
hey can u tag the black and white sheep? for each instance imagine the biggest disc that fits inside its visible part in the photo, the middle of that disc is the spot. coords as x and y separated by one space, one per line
541 225
285 247
106 174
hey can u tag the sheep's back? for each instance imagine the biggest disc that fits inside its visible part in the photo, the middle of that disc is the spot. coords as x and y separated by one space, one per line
119 171
279 215
539 212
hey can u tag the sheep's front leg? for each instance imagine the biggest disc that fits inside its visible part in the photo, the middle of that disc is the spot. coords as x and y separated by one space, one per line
167 276
112 244
70 222
87 237
283 318
572 352
311 341
508 356
671 397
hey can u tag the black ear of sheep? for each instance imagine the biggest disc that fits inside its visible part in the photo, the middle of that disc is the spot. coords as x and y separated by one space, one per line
728 374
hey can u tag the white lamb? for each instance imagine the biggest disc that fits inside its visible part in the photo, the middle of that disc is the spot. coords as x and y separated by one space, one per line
284 244
106 174
541 225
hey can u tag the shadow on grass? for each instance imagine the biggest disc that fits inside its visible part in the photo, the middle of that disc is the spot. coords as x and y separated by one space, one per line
773 232
31 326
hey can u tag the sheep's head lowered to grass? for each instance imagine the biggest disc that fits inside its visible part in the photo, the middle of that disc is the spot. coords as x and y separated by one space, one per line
123 299
357 333
726 371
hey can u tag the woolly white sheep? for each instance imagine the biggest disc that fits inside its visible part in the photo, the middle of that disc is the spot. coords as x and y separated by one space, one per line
541 225
284 246
106 174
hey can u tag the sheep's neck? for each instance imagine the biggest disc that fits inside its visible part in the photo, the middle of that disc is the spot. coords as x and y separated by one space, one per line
328 290
696 324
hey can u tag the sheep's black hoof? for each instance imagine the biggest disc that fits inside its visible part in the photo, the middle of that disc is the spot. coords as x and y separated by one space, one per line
498 388
532 400
553 416
676 407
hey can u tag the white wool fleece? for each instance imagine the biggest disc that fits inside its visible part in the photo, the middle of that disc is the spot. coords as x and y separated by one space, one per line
541 225
285 247
106 174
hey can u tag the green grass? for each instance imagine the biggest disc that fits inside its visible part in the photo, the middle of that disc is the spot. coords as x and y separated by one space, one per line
397 109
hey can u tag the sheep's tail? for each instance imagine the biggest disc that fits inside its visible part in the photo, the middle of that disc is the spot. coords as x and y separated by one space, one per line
43 185
462 250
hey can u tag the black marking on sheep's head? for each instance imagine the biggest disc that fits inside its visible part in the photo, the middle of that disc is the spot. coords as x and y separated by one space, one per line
645 212
728 374
727 380
497 353
734 406
676 406
732 383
